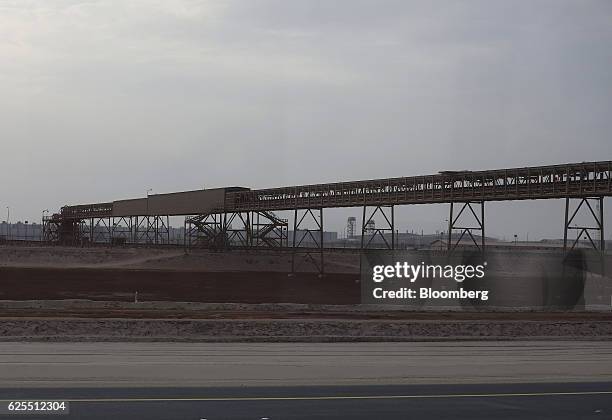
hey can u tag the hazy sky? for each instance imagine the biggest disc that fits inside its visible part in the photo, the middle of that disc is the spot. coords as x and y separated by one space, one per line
101 100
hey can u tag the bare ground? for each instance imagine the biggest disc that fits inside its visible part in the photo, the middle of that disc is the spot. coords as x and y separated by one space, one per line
88 294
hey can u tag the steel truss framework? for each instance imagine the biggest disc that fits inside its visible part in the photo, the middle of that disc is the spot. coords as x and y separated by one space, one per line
101 230
151 230
388 228
240 235
598 218
205 231
302 232
218 230
66 232
51 230
122 230
542 182
455 224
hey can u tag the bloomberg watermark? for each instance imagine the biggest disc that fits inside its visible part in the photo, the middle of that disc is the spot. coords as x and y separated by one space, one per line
470 280
405 278
412 273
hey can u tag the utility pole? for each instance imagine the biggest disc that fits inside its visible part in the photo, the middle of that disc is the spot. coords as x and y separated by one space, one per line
148 191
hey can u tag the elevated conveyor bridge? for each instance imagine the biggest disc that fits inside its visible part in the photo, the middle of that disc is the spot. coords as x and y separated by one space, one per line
211 215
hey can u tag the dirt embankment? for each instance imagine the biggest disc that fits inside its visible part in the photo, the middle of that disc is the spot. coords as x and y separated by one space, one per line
181 286
172 274
174 259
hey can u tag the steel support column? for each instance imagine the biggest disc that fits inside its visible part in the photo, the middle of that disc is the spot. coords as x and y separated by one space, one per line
241 235
598 244
101 230
121 230
369 233
162 230
308 242
51 230
81 228
151 230
64 232
454 223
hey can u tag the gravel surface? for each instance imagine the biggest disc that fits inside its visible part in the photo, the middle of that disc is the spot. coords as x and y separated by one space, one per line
307 330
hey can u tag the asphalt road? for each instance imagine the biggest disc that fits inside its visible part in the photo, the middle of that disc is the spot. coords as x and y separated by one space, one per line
438 380
298 364
465 401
